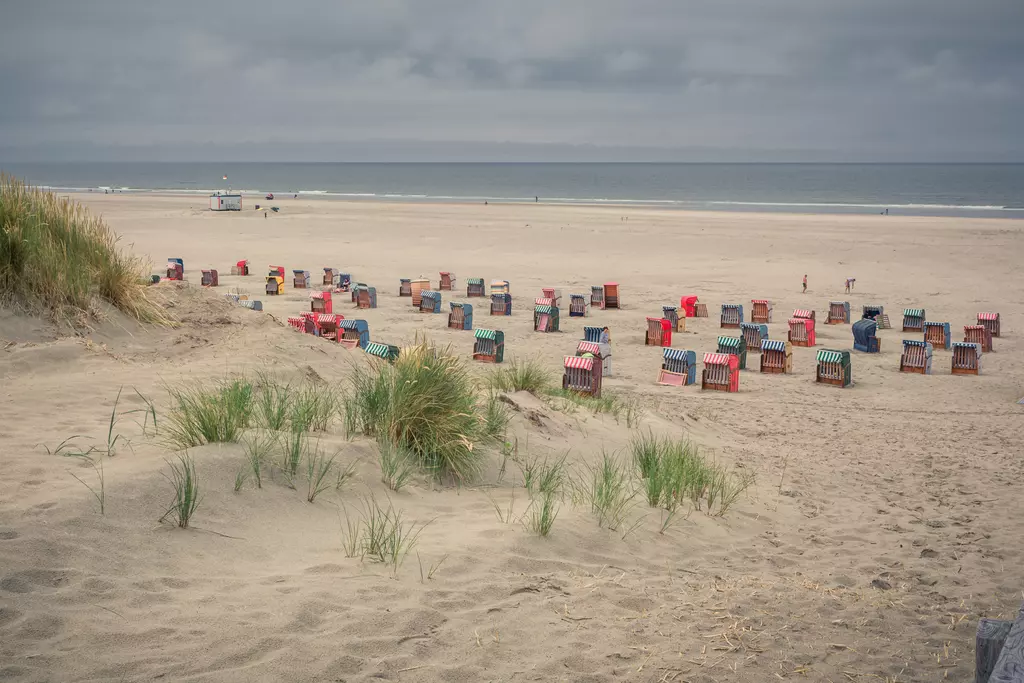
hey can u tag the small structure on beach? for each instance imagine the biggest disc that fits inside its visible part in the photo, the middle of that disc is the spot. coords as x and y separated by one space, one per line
500 287
753 334
801 331
175 269
732 315
597 296
366 297
225 202
417 287
475 287
501 304
737 347
978 334
916 357
326 325
678 368
251 304
913 319
430 302
240 268
966 358
577 306
838 313
602 352
688 303
388 352
460 317
405 287
545 318
275 285
329 275
582 375
659 332
721 372
671 314
937 334
591 334
447 282
554 294
990 321
344 282
321 302
210 278
354 333
776 356
760 311
488 346
834 368
864 338
611 295
300 279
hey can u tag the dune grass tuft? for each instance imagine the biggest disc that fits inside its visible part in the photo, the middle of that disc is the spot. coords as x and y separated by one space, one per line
54 254
380 533
540 518
185 481
201 415
397 465
521 375
609 490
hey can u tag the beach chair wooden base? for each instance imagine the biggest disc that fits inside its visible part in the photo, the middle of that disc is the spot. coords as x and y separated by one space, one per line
965 371
800 342
912 369
485 357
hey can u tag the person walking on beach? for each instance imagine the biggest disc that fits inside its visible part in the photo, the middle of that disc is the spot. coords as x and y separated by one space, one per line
847 285
805 283
606 338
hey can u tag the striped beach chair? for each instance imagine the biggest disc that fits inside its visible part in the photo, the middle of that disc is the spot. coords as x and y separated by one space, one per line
991 321
803 313
344 282
913 319
475 287
251 304
500 287
678 368
966 358
417 287
275 285
308 322
737 347
597 296
592 334
326 325
602 352
937 334
753 334
978 334
577 306
277 271
545 318
354 333
386 351
582 375
838 313
760 311
721 372
405 287
210 278
864 338
834 368
801 331
554 294
688 304
732 315
297 322
321 302
671 314
329 275
447 282
356 287
240 268
367 297
460 317
916 357
430 302
659 332
501 304
300 279
776 356
611 295
489 346
175 269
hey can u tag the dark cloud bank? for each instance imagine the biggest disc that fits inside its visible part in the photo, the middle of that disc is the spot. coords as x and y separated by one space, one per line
525 80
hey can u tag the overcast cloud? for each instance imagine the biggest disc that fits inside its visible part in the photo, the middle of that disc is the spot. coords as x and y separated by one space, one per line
446 79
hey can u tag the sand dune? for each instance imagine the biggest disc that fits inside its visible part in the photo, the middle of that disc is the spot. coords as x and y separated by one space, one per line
885 520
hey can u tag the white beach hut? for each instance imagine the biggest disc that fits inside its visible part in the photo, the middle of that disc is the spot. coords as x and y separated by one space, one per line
225 202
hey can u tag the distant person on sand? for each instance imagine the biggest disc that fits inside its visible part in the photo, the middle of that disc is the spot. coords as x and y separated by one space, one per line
606 337
847 285
265 215
805 283
536 199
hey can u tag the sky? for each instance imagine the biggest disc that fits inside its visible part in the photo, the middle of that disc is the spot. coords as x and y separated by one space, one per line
417 80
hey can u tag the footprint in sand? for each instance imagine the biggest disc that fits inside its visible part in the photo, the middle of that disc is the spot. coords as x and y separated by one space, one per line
30 580
8 534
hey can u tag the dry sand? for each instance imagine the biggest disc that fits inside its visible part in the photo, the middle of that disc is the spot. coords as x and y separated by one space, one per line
886 519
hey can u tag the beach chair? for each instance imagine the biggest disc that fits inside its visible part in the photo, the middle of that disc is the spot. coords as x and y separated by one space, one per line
300 279
344 282
990 321
367 297
554 294
321 302
937 334
309 322
838 313
577 306
501 304
405 287
354 333
327 325
275 285
721 372
966 358
834 368
732 315
776 356
489 346
460 317
209 278
978 334
737 347
277 271
801 332
582 375
873 311
297 322
659 332
447 282
545 318
592 334
175 269
475 287
500 287
864 338
671 314
543 301
240 268
329 275
417 287
760 311
916 357
603 352
430 302
611 295
700 310
678 368
913 319
597 296
688 304
251 304
354 291
385 351
805 313
753 334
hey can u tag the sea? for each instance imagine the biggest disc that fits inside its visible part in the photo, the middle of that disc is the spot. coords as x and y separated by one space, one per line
987 190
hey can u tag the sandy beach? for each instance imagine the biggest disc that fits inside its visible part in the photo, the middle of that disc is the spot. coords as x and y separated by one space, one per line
885 520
